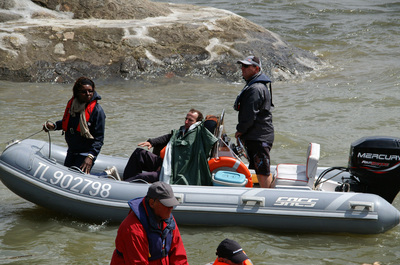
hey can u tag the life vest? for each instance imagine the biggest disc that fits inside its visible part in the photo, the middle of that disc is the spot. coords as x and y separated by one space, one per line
88 111
246 262
158 247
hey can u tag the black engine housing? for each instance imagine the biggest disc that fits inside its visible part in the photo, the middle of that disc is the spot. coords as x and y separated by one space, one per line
375 163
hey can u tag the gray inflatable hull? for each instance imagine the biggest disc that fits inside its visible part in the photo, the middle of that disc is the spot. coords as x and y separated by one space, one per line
28 172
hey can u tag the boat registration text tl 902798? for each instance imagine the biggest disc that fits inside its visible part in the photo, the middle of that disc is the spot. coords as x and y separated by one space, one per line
73 183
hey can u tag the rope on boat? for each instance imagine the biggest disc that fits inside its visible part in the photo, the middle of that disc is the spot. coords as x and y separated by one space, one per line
48 132
12 142
242 150
76 169
31 135
326 171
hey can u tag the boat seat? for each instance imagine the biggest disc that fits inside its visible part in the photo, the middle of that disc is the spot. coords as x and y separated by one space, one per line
299 174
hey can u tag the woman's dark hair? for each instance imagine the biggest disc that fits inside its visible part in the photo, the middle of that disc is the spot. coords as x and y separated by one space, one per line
80 82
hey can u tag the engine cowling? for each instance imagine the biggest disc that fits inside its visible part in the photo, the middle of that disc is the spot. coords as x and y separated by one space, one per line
375 162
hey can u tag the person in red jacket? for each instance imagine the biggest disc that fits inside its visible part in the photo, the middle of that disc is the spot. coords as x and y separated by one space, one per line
149 234
229 252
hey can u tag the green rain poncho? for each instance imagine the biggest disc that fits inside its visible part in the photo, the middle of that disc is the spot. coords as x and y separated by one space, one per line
188 156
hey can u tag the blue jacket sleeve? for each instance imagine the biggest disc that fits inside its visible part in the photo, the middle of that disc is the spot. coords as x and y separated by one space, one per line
98 120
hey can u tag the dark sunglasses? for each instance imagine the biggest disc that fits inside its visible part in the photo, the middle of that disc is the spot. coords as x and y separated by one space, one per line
86 92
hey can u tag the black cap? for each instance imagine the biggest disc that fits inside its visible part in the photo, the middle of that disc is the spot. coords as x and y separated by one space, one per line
163 192
231 250
250 60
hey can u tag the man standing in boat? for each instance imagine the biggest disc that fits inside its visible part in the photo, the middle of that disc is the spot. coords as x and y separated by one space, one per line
149 234
255 128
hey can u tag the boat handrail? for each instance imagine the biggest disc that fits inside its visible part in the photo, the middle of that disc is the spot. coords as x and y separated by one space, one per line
364 205
255 199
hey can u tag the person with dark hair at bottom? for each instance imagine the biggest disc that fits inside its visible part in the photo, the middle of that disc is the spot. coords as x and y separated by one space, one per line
147 166
255 128
83 124
229 252
149 234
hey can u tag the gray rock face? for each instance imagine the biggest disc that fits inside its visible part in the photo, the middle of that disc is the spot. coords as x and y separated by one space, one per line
107 9
59 41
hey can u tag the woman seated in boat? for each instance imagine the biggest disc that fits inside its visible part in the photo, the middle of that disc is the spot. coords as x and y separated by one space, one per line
189 142
83 124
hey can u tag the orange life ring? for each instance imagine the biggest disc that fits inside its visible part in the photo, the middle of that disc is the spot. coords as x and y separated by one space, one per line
230 162
162 152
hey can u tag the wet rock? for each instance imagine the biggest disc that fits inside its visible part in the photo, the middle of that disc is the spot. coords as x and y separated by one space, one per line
156 40
107 9
8 17
7 4
5 15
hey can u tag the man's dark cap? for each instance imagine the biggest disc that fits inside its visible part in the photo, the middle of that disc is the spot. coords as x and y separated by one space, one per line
250 60
231 250
163 192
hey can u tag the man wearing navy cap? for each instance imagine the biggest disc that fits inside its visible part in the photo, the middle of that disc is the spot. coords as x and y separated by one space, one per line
255 128
229 252
149 234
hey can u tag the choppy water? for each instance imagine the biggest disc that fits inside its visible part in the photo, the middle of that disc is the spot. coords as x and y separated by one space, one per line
357 96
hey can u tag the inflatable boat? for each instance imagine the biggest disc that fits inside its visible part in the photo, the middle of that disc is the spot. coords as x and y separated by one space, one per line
305 198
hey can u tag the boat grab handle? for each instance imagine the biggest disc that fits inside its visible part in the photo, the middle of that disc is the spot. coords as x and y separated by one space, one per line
76 169
366 205
179 197
260 200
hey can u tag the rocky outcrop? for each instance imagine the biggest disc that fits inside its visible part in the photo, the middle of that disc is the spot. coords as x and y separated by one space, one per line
61 40
107 9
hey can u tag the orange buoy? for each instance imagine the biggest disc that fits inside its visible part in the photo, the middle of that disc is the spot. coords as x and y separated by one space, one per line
233 163
162 152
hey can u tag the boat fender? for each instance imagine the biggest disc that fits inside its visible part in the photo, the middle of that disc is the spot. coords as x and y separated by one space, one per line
233 163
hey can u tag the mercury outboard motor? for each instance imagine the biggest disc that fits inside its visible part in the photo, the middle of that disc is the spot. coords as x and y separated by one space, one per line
374 162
